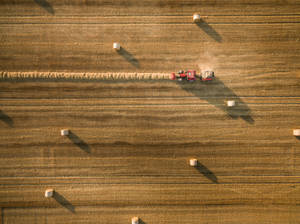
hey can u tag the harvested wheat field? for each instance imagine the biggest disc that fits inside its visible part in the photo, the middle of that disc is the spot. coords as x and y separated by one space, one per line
112 135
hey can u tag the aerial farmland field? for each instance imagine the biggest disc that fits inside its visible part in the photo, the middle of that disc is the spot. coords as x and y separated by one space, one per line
131 130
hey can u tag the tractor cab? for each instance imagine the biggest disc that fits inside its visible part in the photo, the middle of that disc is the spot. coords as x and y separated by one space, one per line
188 75
207 76
191 75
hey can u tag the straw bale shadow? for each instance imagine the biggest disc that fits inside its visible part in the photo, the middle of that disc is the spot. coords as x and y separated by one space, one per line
129 57
207 173
6 119
141 221
79 142
64 202
46 5
209 30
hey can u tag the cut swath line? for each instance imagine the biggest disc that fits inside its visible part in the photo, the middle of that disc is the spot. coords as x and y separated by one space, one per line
84 76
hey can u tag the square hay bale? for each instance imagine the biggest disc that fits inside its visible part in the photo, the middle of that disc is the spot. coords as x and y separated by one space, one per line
49 193
196 18
64 132
230 103
116 46
135 220
296 132
193 162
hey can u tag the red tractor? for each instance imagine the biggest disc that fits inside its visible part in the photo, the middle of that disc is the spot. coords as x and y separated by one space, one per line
191 76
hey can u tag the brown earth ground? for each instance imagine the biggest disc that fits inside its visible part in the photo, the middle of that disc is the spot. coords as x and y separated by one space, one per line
131 140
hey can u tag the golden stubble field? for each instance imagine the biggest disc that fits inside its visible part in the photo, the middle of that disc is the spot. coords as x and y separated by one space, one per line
131 139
